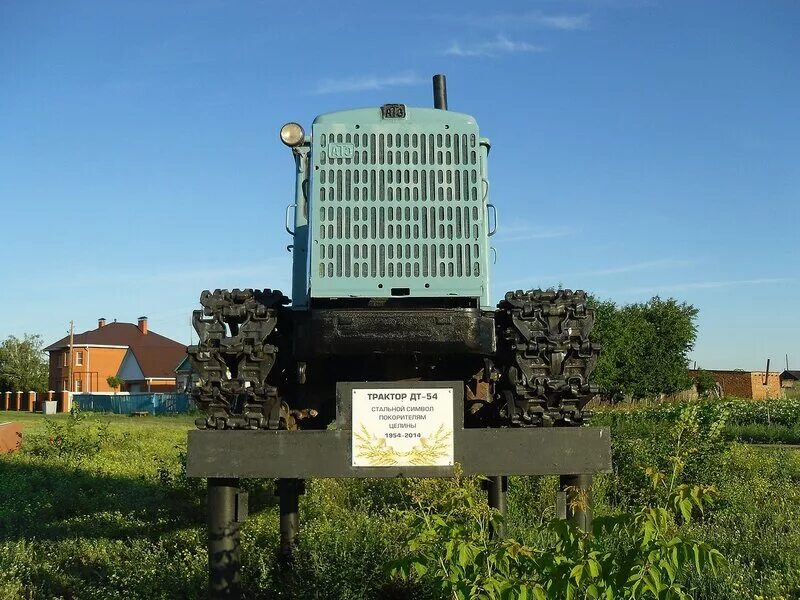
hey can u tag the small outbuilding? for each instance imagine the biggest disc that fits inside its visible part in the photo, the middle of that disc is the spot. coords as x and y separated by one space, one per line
789 383
758 385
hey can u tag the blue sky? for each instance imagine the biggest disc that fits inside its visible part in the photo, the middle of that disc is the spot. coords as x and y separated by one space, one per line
639 148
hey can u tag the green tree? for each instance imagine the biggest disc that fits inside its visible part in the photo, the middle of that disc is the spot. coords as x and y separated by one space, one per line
22 364
113 382
704 382
645 347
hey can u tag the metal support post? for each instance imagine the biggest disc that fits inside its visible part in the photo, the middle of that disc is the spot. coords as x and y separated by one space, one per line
496 488
223 539
574 500
289 491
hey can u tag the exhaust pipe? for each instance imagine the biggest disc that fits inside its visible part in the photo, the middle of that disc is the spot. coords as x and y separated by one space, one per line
440 92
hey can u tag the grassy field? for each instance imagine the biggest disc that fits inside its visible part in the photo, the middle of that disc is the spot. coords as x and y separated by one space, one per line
99 507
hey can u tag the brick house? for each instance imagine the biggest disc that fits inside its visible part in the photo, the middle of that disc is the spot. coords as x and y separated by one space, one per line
143 359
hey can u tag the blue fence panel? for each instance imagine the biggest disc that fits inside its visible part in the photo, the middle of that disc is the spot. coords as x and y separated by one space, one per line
158 404
171 403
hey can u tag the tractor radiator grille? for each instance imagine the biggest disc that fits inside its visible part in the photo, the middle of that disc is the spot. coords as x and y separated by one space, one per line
392 206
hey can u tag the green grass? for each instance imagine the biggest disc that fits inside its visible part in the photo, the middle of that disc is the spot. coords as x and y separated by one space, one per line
108 513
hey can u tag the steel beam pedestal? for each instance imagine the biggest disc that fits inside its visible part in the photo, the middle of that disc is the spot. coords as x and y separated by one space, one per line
288 492
306 454
223 539
497 491
574 501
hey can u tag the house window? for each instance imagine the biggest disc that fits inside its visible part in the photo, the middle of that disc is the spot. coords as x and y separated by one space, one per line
78 385
79 359
66 359
64 386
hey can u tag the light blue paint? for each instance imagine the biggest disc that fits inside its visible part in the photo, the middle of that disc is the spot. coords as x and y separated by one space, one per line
129 369
398 203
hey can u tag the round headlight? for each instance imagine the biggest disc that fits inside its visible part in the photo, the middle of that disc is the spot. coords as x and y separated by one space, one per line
292 134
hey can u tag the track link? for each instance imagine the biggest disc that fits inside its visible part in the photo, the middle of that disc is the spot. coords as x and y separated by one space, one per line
238 333
546 357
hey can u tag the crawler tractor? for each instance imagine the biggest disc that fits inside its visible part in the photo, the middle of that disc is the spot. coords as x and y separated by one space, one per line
391 224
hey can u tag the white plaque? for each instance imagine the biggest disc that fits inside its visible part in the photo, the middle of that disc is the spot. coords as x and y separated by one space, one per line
403 427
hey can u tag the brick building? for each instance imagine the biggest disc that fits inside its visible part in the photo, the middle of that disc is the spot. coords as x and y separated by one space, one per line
746 384
143 359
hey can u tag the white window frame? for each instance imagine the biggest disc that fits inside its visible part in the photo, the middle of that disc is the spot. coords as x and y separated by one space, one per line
78 387
79 358
66 359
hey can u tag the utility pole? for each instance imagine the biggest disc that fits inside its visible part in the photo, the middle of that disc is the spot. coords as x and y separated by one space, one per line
71 338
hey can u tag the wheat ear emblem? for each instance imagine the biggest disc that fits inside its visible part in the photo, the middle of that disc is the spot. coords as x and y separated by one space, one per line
379 454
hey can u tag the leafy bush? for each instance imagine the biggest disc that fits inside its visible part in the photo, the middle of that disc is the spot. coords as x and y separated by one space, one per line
72 441
779 411
685 440
629 556
704 382
754 523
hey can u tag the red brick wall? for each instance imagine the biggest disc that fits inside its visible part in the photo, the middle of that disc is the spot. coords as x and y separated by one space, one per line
734 383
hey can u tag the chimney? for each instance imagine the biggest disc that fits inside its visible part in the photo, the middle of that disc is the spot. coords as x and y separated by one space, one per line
143 325
101 322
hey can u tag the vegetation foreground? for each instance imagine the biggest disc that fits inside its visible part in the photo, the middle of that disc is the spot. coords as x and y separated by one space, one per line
98 506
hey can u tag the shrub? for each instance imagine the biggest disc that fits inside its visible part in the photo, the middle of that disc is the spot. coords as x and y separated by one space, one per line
704 382
72 441
630 556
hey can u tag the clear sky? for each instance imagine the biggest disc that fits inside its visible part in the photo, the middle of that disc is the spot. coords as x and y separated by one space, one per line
639 148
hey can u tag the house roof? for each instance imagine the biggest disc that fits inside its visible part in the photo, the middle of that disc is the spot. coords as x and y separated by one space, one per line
157 355
790 375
